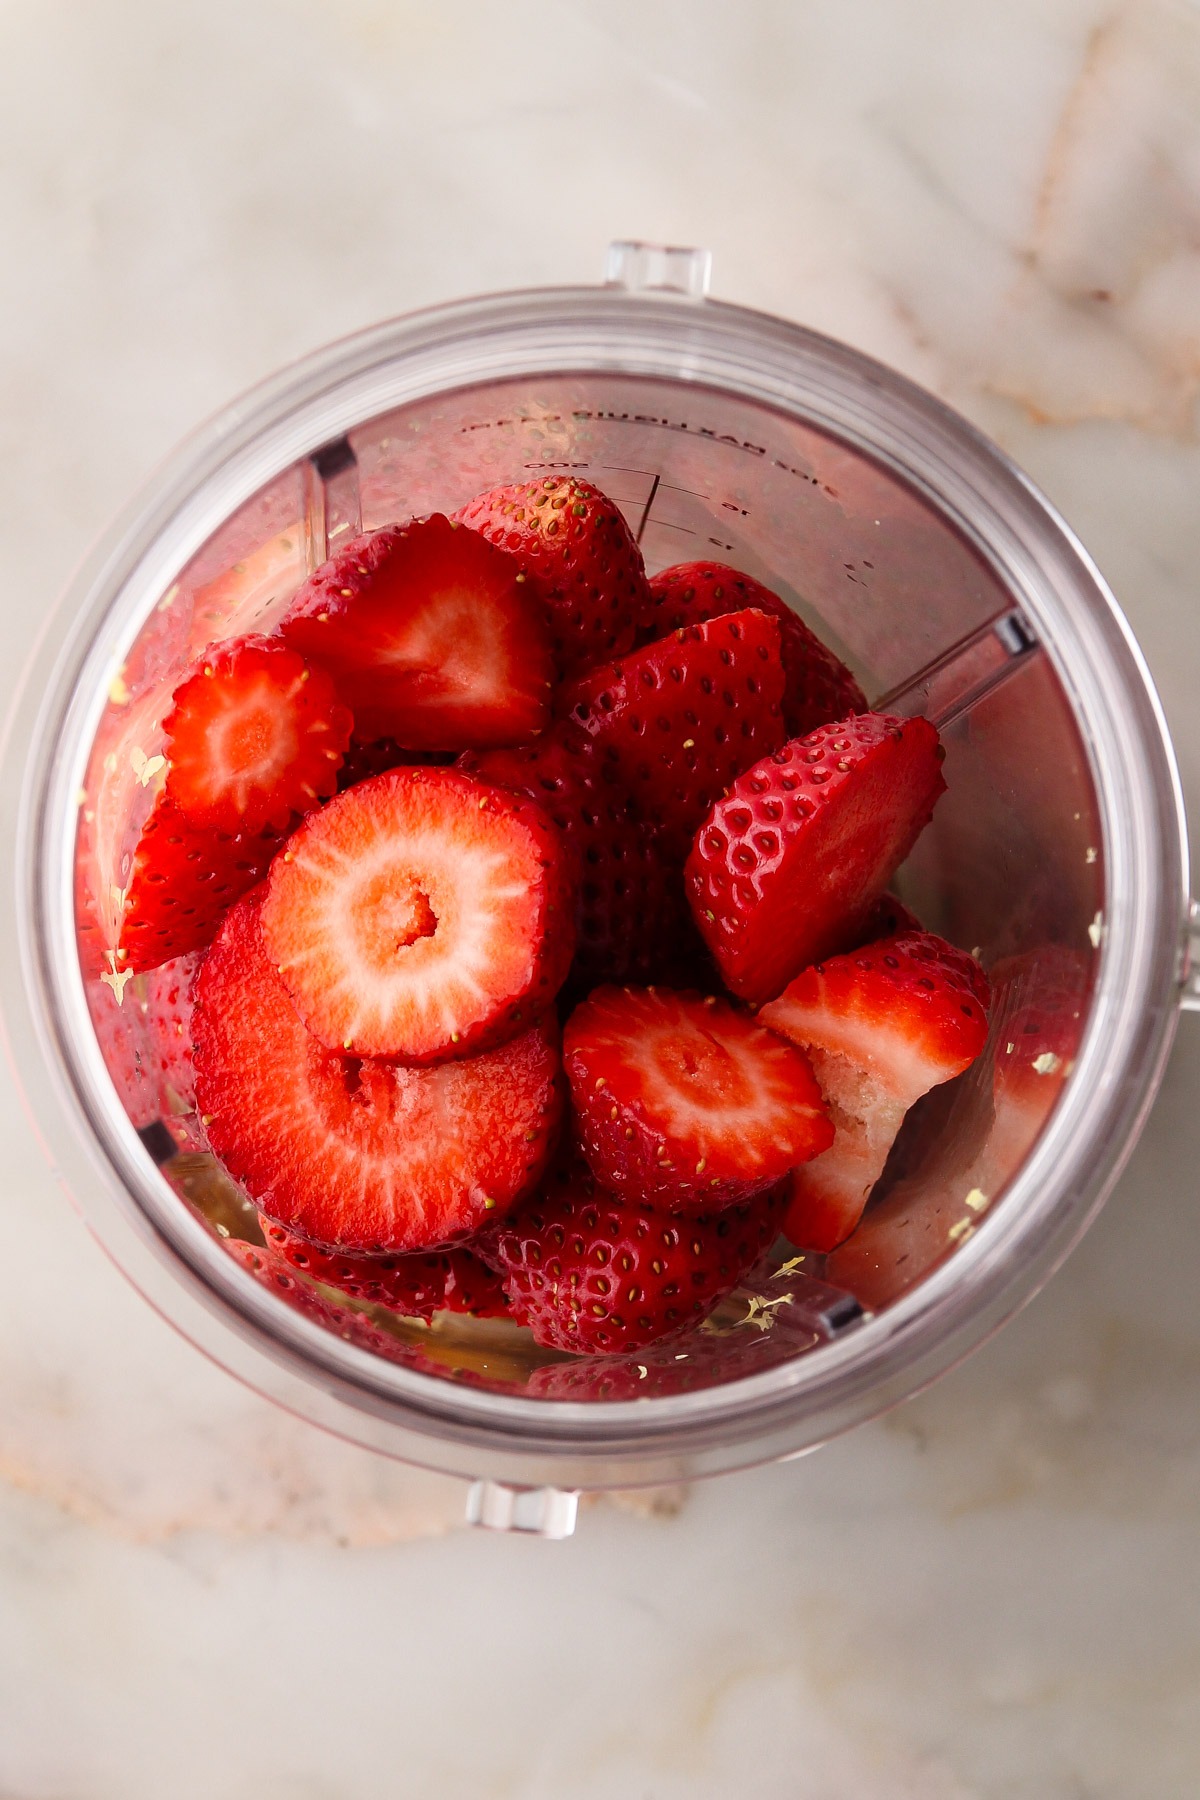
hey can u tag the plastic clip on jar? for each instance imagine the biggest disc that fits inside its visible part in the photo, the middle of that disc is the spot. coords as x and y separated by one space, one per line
924 558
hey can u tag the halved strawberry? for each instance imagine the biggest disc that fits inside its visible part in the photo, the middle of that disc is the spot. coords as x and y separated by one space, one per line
787 866
431 635
882 1025
629 911
681 718
417 1285
1038 1011
574 544
254 736
587 1271
421 914
350 1152
684 1103
818 687
183 879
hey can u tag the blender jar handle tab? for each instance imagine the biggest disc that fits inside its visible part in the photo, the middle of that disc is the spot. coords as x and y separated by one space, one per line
537 1512
1191 958
658 268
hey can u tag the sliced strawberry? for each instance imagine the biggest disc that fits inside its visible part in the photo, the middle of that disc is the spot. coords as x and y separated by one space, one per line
575 545
417 1285
1038 1013
681 718
684 1103
787 866
818 687
422 914
629 910
588 1272
253 736
431 636
353 1153
882 1025
183 880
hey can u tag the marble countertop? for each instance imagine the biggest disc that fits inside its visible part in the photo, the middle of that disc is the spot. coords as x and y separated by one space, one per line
988 1594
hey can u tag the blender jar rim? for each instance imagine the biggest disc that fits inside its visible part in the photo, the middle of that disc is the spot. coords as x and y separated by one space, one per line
705 345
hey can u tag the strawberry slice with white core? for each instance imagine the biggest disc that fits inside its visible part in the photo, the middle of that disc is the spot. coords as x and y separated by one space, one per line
421 914
786 867
352 1153
881 1025
432 636
684 1103
254 735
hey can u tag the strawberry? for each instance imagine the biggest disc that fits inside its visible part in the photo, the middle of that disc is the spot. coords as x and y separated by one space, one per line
183 879
353 1153
588 1272
1038 1011
681 718
628 909
786 868
573 543
417 1285
684 1103
253 736
887 918
882 1025
431 636
279 1277
817 688
380 755
703 1356
421 914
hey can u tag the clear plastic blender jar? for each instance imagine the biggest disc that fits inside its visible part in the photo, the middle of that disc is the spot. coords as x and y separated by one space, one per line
932 567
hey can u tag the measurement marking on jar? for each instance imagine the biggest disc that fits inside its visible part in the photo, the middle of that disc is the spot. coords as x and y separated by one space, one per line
646 510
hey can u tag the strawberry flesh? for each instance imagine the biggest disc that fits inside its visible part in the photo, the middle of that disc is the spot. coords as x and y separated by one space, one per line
573 544
679 719
253 736
417 1285
422 914
787 866
588 1272
431 636
354 1153
684 1103
817 687
881 1025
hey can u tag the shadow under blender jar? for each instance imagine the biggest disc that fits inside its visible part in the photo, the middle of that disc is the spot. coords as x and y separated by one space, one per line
931 566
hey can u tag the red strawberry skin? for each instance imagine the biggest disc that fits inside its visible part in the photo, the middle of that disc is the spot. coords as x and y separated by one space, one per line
417 1285
431 635
352 1153
787 866
573 544
629 911
254 736
681 718
818 688
685 1104
587 1272
184 878
422 914
882 1025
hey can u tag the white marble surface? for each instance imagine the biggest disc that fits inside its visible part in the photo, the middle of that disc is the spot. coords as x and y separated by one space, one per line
990 1594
